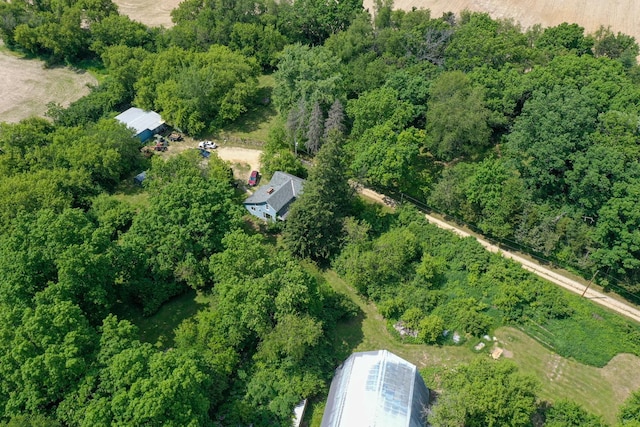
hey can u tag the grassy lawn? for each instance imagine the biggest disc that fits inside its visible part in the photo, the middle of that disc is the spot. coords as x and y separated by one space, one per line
136 198
253 127
559 377
158 329
600 390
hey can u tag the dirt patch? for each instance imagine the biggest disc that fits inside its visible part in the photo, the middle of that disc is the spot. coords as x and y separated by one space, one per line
241 158
27 86
621 15
151 13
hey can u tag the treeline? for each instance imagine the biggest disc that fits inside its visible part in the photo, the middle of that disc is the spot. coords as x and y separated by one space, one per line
70 252
200 74
532 136
529 135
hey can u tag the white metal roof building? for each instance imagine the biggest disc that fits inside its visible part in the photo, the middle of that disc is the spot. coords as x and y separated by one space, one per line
376 389
145 123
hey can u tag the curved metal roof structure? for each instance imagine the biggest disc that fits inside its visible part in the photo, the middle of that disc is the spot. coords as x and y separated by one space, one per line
376 389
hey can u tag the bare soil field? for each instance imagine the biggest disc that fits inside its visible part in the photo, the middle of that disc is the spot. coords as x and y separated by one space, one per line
151 13
621 15
26 87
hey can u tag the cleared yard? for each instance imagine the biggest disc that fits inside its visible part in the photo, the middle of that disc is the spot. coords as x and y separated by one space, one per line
27 86
600 390
621 15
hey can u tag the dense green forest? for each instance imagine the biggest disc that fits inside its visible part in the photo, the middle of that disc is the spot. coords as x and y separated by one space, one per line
530 136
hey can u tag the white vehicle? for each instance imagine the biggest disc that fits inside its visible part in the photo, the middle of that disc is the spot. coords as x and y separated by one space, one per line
206 145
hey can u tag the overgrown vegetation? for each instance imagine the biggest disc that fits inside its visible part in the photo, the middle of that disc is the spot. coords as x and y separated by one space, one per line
432 281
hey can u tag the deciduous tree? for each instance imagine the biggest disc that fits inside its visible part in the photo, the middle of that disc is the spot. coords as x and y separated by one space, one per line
456 117
485 393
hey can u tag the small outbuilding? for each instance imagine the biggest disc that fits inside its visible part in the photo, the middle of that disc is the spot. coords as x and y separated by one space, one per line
145 123
272 201
139 179
376 389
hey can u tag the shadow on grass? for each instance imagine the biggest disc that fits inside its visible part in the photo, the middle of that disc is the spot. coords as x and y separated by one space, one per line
348 336
159 328
261 111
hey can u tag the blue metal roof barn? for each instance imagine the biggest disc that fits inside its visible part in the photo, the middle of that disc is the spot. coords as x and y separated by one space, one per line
376 389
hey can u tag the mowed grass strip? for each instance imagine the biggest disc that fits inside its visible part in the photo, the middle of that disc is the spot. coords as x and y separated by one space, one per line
599 390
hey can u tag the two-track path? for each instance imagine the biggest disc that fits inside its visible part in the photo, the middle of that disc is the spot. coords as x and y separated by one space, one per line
605 300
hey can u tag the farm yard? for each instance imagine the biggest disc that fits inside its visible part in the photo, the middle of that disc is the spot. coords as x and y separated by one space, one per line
27 86
216 295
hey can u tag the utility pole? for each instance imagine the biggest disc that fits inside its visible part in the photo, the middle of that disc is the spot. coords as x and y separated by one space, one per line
589 284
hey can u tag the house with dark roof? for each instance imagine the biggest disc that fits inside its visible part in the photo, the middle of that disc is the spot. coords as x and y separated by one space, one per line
145 123
271 201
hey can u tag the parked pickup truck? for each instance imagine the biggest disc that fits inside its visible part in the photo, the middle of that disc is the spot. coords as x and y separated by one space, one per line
207 145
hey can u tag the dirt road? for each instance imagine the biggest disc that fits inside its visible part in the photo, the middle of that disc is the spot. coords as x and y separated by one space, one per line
546 273
248 158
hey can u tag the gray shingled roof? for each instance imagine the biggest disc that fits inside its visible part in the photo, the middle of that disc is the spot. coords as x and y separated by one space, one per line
280 191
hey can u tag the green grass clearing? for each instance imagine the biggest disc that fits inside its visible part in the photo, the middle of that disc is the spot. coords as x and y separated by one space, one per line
253 127
159 328
137 199
599 390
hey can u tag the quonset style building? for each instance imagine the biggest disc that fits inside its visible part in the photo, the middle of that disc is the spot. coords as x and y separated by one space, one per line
376 389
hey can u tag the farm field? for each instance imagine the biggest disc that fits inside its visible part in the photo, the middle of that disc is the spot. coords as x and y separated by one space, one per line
27 86
151 13
621 15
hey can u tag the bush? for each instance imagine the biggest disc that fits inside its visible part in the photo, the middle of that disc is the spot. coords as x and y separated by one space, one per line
430 329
